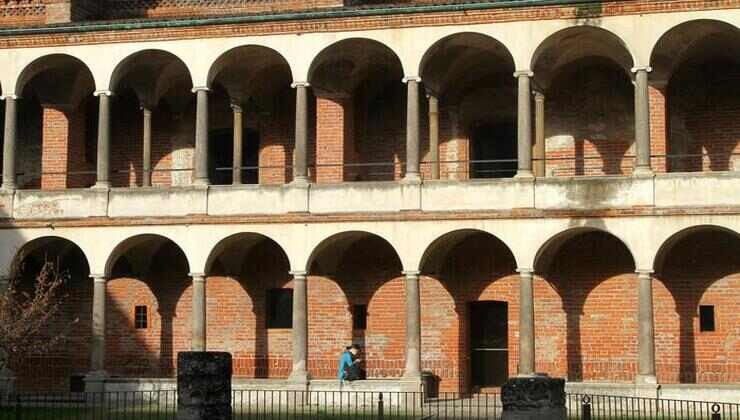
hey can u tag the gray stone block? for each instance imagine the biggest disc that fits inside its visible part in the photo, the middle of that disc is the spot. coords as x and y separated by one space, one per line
534 398
204 386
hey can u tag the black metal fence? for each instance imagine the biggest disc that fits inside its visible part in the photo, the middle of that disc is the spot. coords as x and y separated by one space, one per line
281 404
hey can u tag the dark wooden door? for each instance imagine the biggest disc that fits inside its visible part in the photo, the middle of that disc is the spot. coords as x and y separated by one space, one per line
489 339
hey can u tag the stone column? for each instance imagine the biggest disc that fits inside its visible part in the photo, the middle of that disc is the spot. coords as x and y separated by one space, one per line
146 180
642 122
646 336
524 124
434 134
238 133
526 323
539 134
11 126
413 327
97 352
300 156
201 136
299 373
103 166
199 312
412 128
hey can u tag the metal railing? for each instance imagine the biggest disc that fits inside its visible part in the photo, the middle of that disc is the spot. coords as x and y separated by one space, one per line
286 404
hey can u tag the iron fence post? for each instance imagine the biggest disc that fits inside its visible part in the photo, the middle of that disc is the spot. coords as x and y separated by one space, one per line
716 415
380 406
586 408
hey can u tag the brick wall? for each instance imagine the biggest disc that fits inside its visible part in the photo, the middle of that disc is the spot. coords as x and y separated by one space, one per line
334 137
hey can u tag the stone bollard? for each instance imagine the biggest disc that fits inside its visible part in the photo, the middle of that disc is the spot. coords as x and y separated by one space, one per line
204 386
534 398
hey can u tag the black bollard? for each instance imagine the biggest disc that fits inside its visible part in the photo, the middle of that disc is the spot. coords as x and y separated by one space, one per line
204 386
534 398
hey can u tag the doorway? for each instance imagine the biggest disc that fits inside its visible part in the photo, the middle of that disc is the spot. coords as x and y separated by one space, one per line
489 343
493 151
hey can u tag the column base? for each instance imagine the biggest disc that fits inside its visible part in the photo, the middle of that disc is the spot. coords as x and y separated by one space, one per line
524 174
643 172
103 185
299 181
9 187
298 378
95 381
201 182
413 177
646 380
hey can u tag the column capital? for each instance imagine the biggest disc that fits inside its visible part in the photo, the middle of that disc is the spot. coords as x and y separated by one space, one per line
644 272
300 84
431 94
197 89
99 277
236 108
298 274
538 95
523 73
11 96
146 108
198 276
525 271
107 93
407 79
636 69
411 273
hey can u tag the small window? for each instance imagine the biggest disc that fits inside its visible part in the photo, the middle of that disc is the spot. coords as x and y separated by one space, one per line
141 318
359 317
706 318
280 308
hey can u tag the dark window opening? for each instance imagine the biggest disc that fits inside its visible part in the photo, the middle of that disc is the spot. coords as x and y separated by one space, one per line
359 317
280 308
141 317
221 156
706 318
77 383
493 151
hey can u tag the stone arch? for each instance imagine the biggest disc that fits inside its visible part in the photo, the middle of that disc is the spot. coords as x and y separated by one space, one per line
64 260
355 275
360 106
243 270
255 81
584 73
591 273
697 266
696 72
471 75
147 271
463 270
56 111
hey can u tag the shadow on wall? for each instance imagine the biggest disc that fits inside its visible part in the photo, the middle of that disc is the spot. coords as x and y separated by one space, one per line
240 280
597 294
698 267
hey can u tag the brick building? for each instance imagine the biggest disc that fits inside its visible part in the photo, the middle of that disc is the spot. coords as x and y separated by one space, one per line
475 189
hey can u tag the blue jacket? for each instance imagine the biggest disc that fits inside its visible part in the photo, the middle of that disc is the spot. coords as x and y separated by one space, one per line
345 362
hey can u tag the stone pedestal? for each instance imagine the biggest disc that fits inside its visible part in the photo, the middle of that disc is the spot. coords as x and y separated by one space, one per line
533 398
204 386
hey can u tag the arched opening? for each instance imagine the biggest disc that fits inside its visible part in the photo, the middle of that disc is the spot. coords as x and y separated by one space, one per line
584 74
152 125
253 82
591 319
469 311
63 367
360 112
697 307
57 124
148 315
698 61
471 77
355 282
250 300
